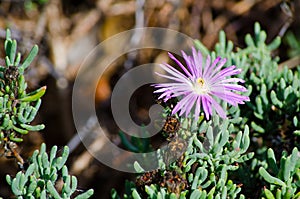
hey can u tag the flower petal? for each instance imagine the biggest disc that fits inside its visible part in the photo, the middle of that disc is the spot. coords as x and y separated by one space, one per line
180 64
197 108
210 72
190 64
206 107
207 66
218 68
217 107
189 105
181 104
172 71
235 87
197 62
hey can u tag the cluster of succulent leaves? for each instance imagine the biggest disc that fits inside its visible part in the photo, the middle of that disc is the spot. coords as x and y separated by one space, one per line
205 165
42 175
285 181
274 108
268 125
294 43
273 111
17 111
17 107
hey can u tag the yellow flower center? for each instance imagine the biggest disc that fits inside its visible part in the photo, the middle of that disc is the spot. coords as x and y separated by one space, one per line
200 87
200 81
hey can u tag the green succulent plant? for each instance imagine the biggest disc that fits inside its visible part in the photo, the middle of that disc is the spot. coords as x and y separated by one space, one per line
17 107
274 93
203 170
217 162
43 174
285 181
17 111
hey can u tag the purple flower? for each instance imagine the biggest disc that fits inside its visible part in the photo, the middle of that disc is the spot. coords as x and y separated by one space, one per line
200 84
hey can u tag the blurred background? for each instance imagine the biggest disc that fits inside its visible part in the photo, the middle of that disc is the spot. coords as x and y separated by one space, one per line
66 31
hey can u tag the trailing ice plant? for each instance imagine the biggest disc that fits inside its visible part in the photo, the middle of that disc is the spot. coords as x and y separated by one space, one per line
17 110
211 156
17 107
274 93
271 117
274 107
203 170
284 181
42 176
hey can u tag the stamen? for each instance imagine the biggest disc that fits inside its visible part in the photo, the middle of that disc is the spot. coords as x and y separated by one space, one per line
200 87
200 81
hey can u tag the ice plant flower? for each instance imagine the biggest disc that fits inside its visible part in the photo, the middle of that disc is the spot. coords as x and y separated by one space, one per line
199 84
